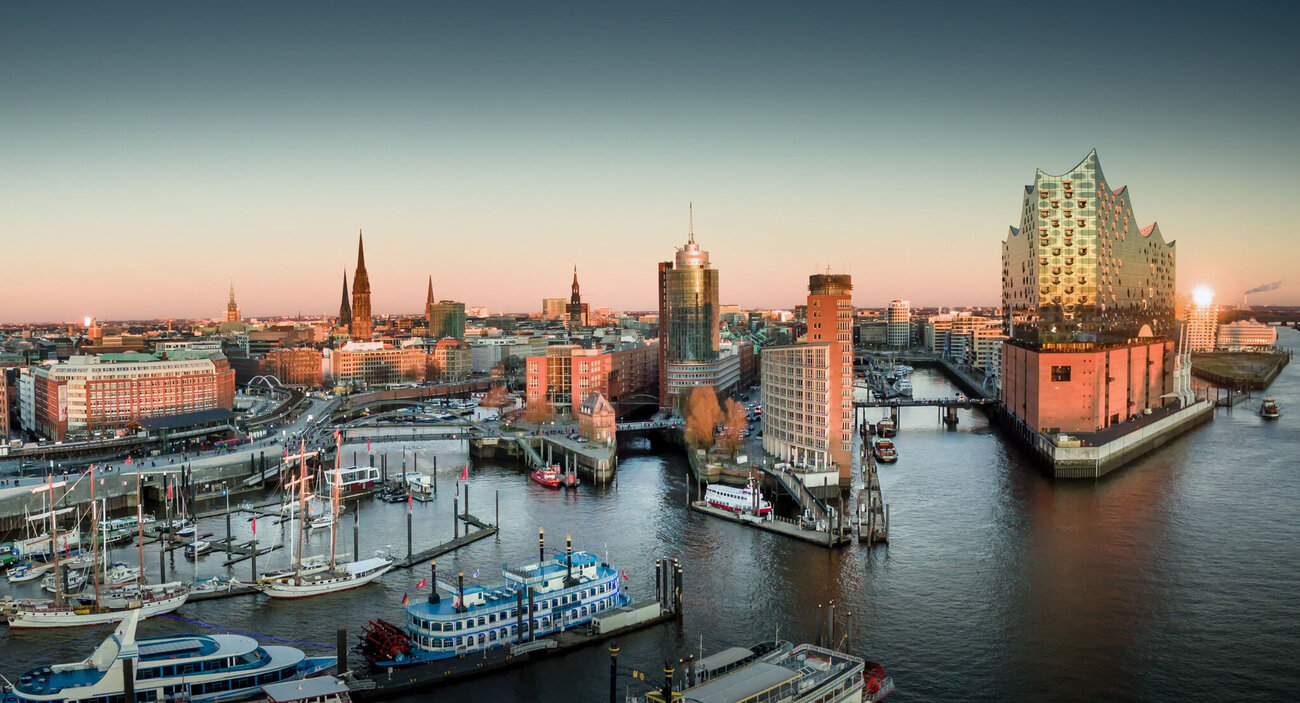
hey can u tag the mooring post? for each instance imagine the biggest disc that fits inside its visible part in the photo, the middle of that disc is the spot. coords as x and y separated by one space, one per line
162 562
409 551
467 500
435 474
613 672
254 544
497 519
455 518
341 652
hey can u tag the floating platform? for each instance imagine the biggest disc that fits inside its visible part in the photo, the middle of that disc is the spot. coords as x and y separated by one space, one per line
775 526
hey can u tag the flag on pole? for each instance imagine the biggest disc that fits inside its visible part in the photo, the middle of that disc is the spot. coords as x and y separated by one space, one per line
464 473
623 574
169 489
475 574
254 524
421 584
406 599
337 435
128 459
367 445
410 501
455 603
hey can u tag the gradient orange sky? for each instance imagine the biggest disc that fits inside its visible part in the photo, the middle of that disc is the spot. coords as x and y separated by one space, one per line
152 153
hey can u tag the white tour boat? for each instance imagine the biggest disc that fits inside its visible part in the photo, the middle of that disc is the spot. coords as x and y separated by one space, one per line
188 667
746 499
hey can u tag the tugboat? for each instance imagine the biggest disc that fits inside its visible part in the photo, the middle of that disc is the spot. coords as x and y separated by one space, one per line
532 600
886 428
549 477
187 667
885 451
1268 409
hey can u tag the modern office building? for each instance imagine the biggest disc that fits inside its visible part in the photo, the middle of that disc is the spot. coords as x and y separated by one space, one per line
898 333
88 395
1088 295
1202 320
446 320
362 327
1246 335
690 338
808 387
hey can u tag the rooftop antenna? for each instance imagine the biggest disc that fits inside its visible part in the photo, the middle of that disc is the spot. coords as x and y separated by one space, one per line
691 221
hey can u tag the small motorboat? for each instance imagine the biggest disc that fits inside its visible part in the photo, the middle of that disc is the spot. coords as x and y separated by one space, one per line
119 573
28 571
1268 409
877 683
547 477
186 530
73 581
884 451
197 549
886 428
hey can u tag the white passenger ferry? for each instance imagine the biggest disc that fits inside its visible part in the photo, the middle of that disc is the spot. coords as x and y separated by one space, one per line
189 667
746 499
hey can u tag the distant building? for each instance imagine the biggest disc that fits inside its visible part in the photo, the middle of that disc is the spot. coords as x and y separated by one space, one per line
296 367
447 319
690 338
1202 320
362 327
596 418
358 365
1244 335
1087 294
576 310
553 308
898 334
451 360
93 394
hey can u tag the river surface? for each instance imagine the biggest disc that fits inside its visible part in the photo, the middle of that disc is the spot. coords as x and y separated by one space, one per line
1172 579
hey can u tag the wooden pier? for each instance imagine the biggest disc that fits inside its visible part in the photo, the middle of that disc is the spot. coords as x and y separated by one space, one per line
776 525
872 520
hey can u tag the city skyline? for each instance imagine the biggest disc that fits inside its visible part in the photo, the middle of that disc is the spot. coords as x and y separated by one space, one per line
483 150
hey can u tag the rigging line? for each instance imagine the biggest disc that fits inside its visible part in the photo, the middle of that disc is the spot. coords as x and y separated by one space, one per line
246 634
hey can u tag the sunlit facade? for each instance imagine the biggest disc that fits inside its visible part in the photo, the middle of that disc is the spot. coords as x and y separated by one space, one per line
690 337
1080 268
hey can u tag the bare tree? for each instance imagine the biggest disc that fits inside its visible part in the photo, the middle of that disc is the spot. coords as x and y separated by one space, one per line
733 423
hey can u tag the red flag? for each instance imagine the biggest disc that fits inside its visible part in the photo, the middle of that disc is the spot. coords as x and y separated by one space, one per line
128 459
464 474
421 584
406 599
623 574
169 490
254 524
367 445
456 602
410 501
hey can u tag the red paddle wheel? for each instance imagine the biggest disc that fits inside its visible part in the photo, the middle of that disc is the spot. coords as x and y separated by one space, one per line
383 641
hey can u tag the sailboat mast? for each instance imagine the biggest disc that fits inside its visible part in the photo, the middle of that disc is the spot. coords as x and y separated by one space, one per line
334 502
302 506
139 528
54 547
94 531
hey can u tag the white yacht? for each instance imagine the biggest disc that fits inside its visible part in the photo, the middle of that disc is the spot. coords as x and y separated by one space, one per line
188 667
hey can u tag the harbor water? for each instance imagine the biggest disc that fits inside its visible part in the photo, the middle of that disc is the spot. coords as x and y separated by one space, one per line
1172 579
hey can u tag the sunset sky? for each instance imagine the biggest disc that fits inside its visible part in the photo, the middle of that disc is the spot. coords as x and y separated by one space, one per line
152 152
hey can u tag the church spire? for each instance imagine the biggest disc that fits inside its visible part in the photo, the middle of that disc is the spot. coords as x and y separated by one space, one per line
345 308
232 291
362 320
428 300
